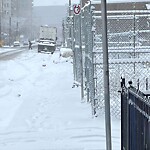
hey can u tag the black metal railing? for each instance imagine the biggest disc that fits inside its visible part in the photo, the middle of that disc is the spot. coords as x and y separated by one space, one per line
135 118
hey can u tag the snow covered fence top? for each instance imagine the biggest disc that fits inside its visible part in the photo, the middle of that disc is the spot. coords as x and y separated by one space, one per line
123 50
120 4
125 61
118 1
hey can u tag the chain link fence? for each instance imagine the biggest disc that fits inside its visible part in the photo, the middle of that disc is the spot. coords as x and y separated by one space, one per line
129 54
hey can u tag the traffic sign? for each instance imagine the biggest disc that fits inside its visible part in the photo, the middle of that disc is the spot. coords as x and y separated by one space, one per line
76 9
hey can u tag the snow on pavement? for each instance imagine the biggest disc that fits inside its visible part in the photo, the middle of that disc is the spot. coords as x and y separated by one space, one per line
39 109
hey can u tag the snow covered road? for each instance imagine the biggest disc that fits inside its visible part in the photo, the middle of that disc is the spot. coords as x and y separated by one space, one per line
39 109
10 53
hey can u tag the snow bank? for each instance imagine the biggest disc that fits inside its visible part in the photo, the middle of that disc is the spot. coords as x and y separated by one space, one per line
66 52
6 49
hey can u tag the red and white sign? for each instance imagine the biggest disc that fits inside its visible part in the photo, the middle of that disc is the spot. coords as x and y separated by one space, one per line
77 9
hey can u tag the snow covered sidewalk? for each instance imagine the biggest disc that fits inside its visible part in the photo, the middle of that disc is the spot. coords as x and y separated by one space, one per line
39 109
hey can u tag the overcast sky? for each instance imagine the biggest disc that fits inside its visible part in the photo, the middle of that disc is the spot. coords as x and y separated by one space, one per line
52 2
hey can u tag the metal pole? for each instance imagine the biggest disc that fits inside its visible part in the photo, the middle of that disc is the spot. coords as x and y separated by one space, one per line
81 61
92 61
17 23
31 21
106 75
63 33
69 7
10 31
69 25
73 47
1 7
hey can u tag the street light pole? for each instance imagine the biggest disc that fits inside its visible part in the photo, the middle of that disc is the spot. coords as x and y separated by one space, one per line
106 75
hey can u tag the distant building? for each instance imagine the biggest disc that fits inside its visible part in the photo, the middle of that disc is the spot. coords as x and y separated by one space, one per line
16 19
7 11
25 8
6 8
18 8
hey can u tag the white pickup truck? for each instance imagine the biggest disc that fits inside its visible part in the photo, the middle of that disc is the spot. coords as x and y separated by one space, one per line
48 37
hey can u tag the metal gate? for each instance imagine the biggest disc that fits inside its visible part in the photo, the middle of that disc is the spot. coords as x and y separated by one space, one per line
135 118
